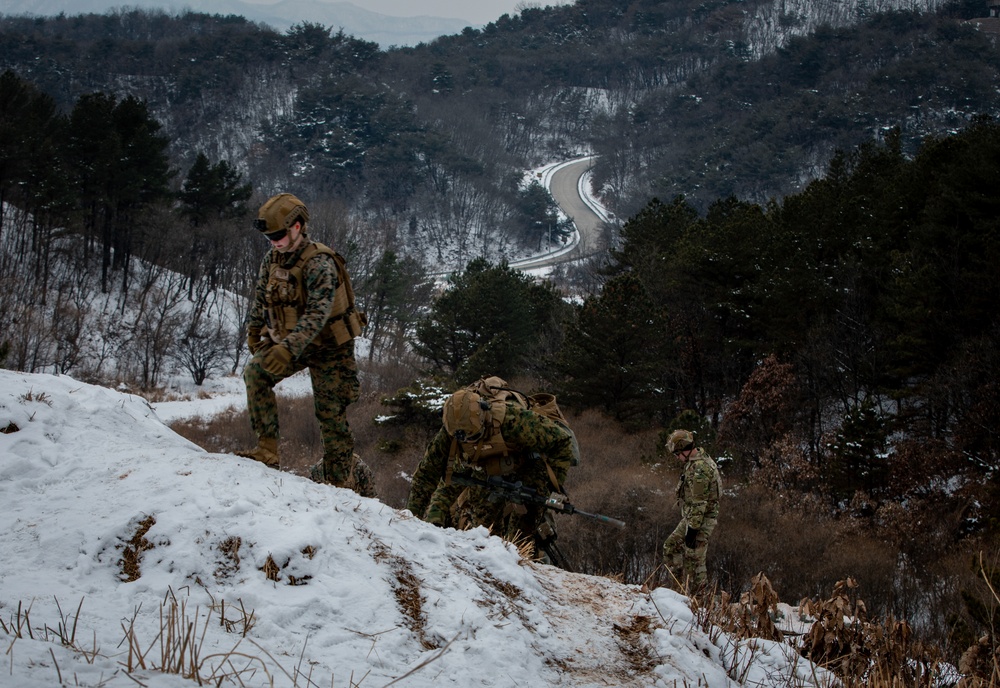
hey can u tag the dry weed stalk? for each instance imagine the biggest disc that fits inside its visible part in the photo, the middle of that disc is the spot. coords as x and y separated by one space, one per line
243 622
20 623
64 632
67 634
864 652
180 646
980 663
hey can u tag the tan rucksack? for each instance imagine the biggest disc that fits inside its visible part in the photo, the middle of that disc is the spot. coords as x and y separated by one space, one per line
497 392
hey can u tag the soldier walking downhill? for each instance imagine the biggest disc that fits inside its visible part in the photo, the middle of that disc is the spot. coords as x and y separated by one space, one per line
698 493
303 316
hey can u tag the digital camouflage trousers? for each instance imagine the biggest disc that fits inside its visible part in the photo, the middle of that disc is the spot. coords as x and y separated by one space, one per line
334 375
464 507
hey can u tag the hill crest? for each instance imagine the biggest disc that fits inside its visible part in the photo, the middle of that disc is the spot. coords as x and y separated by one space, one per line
130 525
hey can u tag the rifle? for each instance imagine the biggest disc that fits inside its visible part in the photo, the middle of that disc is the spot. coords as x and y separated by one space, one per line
519 493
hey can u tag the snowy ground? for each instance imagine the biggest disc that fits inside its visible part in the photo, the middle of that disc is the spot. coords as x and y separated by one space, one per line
130 556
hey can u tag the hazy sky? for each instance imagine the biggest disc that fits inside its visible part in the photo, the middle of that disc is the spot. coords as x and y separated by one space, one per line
476 11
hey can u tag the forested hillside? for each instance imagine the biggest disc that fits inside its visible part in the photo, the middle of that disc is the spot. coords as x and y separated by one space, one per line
805 274
426 145
711 99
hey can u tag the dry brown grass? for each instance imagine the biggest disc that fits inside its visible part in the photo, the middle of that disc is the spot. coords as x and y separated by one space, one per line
409 598
132 551
617 477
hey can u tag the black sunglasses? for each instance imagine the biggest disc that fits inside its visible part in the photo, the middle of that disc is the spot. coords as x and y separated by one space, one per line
260 225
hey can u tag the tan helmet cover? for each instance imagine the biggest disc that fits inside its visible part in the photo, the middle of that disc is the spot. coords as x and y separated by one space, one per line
280 212
680 440
464 414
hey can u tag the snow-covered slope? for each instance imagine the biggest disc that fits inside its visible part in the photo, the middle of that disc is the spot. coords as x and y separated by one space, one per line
127 550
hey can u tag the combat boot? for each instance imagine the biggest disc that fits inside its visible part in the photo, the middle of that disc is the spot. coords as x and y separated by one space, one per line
266 452
357 476
330 472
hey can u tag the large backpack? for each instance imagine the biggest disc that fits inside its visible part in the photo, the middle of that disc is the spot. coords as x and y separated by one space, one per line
496 390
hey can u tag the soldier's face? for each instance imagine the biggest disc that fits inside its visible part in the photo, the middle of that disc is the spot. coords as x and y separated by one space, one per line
684 454
288 240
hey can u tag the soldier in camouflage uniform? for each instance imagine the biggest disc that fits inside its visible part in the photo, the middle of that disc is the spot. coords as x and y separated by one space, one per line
481 438
698 497
303 316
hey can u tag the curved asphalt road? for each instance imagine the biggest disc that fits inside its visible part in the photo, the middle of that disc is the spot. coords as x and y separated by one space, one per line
564 185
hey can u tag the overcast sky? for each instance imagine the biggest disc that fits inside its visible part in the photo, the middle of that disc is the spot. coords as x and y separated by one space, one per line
475 11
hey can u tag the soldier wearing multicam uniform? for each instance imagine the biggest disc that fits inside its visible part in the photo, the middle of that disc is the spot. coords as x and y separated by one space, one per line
303 316
698 493
479 438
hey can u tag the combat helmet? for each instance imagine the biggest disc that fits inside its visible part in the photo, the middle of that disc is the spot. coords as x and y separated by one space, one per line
465 415
679 441
280 212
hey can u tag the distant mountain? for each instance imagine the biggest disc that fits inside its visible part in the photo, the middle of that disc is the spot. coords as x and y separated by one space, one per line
371 26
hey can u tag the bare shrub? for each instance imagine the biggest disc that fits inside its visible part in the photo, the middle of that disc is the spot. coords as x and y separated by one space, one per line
757 533
759 606
615 478
761 415
864 651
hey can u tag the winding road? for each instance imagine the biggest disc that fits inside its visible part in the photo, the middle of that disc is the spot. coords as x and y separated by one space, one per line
564 182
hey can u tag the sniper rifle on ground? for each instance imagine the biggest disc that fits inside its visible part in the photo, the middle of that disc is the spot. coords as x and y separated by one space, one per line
518 493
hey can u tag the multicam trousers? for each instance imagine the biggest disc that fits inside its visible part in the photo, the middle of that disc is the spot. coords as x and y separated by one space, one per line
334 375
687 566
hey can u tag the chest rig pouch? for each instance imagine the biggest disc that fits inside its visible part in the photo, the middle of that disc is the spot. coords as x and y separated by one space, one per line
285 300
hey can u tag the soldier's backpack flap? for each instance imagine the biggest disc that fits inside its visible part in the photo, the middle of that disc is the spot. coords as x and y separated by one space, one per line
544 404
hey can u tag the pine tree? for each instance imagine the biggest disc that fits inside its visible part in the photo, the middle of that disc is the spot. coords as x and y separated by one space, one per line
613 354
492 320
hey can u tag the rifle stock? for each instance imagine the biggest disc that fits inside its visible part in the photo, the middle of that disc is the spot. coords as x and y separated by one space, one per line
521 494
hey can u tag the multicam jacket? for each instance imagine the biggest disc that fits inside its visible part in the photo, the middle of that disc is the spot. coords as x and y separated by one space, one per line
320 277
698 489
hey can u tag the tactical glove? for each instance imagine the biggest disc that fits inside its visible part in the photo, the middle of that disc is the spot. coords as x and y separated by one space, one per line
277 360
254 341
691 537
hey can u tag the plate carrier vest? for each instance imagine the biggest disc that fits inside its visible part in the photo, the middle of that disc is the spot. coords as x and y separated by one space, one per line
285 299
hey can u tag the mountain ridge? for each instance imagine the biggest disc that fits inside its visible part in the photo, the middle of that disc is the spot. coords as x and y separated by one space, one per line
386 30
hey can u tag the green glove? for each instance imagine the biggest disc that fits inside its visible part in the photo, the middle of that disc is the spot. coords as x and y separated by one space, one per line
277 360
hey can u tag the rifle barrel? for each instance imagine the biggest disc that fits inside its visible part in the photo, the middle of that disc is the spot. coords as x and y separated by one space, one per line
602 518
